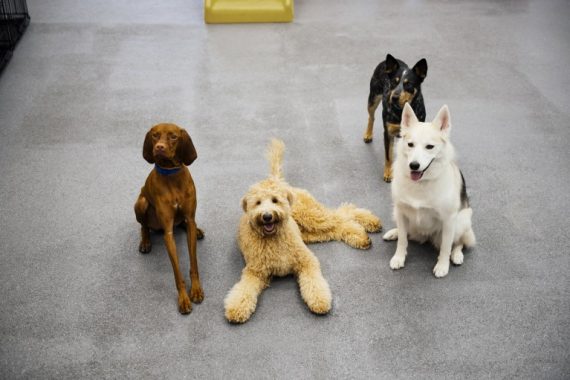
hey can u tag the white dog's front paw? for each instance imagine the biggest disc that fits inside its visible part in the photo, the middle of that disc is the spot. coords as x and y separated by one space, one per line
457 257
441 268
391 235
397 261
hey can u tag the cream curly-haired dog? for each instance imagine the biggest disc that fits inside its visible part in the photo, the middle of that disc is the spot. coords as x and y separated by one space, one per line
278 220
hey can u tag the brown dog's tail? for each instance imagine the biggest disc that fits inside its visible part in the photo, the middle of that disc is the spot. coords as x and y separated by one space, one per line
275 157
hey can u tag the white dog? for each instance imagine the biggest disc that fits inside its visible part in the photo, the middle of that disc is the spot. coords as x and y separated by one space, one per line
428 190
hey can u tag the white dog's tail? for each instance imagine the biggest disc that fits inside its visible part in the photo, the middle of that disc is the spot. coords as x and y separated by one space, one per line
275 157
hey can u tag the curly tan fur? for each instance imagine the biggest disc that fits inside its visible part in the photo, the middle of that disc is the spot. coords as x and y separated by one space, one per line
277 222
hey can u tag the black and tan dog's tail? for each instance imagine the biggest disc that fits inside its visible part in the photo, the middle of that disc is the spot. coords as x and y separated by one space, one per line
274 155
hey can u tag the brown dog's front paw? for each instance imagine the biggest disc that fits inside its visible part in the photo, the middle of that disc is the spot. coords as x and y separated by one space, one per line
145 246
196 294
199 234
184 304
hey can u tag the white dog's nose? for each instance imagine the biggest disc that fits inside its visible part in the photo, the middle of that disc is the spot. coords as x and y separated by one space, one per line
414 165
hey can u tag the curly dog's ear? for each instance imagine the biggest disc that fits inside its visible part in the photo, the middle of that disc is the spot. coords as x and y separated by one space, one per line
244 204
147 148
185 150
290 197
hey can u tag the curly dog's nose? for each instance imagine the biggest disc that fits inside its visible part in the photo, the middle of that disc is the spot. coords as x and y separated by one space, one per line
267 217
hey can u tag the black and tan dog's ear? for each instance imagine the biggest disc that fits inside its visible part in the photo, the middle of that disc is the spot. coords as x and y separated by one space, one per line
421 68
392 64
147 148
185 150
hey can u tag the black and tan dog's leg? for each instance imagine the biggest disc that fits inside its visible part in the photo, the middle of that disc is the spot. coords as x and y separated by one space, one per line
373 102
390 132
388 148
141 208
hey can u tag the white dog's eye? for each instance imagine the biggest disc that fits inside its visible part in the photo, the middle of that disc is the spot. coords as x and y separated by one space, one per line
411 145
429 146
274 200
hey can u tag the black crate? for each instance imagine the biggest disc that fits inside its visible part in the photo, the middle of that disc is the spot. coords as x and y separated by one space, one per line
14 18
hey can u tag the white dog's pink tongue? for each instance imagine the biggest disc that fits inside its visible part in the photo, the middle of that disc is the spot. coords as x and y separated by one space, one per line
416 175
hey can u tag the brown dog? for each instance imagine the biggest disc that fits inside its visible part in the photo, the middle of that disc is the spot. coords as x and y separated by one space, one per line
168 199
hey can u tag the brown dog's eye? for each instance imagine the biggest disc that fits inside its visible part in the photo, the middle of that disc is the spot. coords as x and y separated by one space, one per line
156 135
274 200
173 137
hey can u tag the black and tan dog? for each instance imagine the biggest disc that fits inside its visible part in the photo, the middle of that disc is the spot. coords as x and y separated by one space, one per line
395 84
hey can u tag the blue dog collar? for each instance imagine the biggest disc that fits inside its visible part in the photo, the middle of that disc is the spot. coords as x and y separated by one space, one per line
164 171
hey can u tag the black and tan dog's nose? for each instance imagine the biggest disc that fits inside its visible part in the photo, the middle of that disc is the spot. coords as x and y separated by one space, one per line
267 217
414 165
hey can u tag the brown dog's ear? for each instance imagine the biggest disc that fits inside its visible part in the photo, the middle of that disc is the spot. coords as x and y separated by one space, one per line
147 148
185 150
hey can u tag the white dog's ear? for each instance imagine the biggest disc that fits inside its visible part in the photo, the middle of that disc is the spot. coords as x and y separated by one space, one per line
290 197
442 120
408 116
244 204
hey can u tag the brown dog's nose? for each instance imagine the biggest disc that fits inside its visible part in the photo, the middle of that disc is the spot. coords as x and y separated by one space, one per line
160 147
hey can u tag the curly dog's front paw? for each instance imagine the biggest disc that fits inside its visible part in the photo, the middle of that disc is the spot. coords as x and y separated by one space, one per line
320 304
238 314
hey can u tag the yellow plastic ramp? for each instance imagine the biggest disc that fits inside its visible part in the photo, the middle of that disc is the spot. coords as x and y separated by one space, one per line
239 11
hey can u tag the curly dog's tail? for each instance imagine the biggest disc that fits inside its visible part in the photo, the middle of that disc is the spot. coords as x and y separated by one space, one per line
274 155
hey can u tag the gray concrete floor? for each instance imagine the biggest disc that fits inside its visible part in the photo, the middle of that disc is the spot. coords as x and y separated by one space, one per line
89 78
